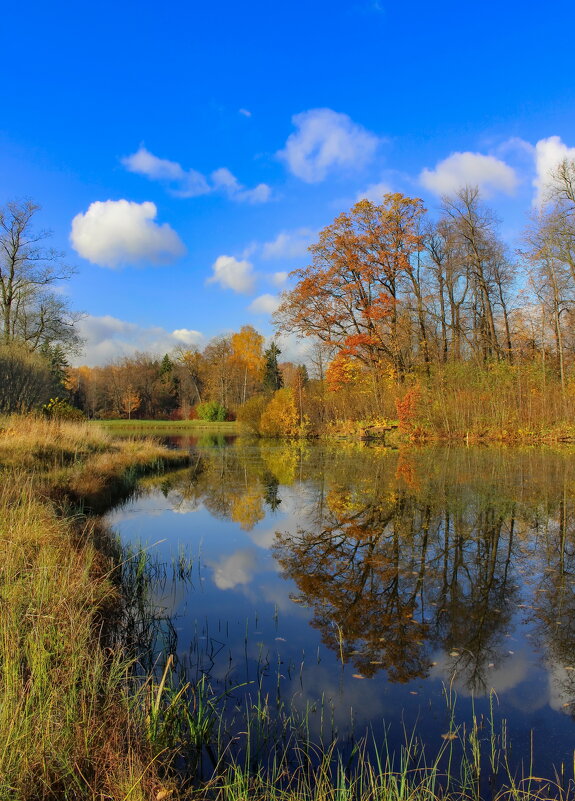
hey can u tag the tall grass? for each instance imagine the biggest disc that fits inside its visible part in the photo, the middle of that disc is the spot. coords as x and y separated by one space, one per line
82 718
64 724
67 727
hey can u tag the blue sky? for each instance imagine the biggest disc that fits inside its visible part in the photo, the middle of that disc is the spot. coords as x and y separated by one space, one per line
198 149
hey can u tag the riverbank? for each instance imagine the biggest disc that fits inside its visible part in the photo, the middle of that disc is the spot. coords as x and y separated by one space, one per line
67 722
73 722
168 427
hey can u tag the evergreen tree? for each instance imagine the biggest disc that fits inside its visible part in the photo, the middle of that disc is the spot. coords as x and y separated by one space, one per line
272 375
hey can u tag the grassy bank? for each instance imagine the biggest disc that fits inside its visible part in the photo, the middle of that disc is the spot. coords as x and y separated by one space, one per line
67 725
74 721
167 427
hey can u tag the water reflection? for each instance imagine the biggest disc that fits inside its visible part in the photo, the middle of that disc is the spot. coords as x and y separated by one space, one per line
415 567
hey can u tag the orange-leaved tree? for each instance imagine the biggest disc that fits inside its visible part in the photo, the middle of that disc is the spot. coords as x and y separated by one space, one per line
348 297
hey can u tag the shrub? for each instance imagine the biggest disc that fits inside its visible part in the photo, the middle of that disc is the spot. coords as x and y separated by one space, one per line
212 412
60 409
280 417
250 412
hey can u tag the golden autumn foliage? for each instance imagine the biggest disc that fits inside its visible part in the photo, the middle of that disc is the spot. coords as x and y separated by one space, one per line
342 371
247 509
280 417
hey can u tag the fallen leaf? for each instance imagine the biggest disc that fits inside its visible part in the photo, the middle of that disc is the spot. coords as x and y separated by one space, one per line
358 676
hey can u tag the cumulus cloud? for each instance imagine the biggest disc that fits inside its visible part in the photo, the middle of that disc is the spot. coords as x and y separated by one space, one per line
113 233
264 304
326 140
374 192
236 569
489 173
289 244
191 183
107 338
549 153
232 273
279 278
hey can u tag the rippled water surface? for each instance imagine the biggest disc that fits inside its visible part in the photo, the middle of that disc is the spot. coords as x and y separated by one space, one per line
358 586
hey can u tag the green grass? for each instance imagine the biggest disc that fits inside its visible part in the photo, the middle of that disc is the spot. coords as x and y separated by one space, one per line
167 427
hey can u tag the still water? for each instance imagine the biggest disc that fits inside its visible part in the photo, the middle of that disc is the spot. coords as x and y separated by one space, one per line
359 586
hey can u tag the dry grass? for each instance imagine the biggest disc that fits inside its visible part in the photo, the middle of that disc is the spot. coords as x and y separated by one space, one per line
68 729
64 722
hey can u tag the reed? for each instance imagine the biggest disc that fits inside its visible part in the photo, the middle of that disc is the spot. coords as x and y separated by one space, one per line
67 729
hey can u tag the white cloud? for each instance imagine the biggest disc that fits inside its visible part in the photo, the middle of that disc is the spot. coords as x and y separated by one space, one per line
294 349
458 170
374 192
245 112
118 232
289 244
326 140
145 163
264 304
187 336
280 278
107 338
226 181
235 569
509 673
191 183
231 273
517 146
259 194
549 153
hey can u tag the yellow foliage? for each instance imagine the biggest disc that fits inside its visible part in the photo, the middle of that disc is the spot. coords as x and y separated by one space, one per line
280 417
283 462
247 509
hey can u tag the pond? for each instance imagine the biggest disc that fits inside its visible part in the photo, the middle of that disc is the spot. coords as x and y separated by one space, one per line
367 589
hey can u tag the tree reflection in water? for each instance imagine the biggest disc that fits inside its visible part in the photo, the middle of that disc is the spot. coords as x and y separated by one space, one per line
406 555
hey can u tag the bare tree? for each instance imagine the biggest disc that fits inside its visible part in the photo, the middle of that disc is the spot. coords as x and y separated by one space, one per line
30 310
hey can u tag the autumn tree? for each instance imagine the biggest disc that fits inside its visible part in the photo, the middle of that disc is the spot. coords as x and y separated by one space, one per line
130 401
280 418
349 296
191 367
247 353
219 373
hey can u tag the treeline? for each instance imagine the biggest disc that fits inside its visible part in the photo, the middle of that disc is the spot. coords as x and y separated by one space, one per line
434 323
212 383
388 289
